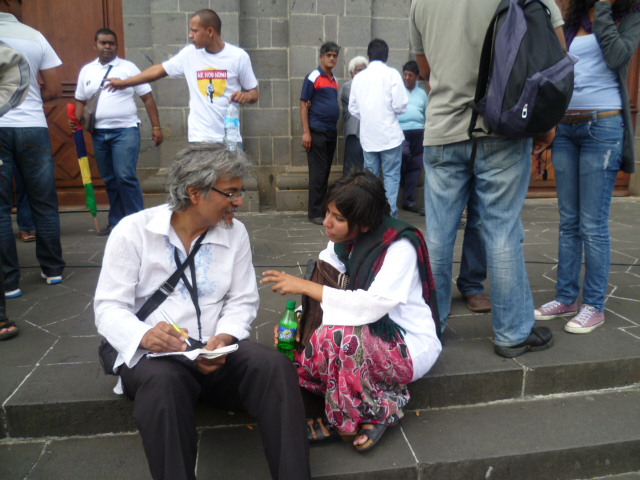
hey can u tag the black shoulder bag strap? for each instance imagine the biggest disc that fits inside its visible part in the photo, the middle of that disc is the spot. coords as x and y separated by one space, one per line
167 287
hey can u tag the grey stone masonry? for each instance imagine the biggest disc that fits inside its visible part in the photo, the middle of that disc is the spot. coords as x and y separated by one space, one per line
282 38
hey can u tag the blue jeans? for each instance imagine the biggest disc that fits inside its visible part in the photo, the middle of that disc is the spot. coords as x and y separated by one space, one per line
586 157
501 175
473 264
391 163
25 219
30 150
116 151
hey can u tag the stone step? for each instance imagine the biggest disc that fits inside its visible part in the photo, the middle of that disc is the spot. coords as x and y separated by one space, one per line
563 437
81 401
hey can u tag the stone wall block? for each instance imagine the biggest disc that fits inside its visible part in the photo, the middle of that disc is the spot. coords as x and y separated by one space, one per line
397 58
331 7
137 30
169 28
393 31
230 27
164 6
303 60
306 30
281 151
171 92
141 57
192 6
354 31
279 32
280 93
269 64
263 8
330 28
266 94
136 8
173 121
225 6
391 8
358 7
266 151
248 33
266 122
264 32
303 6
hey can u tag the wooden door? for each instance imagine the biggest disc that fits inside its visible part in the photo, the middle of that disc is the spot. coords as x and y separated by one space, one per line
70 26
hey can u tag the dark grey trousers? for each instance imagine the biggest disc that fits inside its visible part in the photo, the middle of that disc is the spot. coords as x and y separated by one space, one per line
255 379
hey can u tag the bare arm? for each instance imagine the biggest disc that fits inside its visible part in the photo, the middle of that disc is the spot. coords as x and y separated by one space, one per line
250 96
151 74
51 85
423 65
154 116
304 119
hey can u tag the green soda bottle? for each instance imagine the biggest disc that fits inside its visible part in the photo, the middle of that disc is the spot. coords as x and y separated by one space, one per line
287 330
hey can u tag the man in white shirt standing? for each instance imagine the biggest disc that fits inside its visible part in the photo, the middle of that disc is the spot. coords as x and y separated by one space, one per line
215 302
217 74
25 142
377 98
116 136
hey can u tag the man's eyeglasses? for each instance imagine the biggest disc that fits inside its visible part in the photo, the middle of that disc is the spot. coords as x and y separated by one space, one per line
231 196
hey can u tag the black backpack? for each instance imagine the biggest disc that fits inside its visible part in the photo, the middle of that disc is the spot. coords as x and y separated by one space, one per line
525 79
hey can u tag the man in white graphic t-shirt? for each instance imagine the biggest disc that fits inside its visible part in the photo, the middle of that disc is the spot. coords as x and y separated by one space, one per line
217 74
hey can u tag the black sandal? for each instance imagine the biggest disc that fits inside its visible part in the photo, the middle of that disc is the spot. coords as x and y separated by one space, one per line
374 434
320 434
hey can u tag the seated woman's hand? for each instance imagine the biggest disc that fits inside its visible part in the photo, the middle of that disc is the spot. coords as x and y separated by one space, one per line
285 283
209 365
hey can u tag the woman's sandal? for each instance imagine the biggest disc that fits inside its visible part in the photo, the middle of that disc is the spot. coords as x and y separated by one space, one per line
320 434
8 334
27 236
374 434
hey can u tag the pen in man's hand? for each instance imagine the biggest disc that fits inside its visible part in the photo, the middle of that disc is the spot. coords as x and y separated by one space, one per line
174 325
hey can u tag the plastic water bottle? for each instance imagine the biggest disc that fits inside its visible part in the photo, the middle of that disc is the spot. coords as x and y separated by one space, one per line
232 127
287 330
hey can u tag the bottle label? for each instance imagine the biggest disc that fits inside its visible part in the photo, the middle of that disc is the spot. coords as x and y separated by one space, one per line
286 334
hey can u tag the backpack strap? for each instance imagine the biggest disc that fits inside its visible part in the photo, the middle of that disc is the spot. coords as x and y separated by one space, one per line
484 71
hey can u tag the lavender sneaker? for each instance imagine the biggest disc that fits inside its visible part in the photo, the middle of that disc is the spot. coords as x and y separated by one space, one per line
586 321
554 309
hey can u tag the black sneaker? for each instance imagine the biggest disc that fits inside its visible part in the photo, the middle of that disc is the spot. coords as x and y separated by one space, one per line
413 209
539 339
105 231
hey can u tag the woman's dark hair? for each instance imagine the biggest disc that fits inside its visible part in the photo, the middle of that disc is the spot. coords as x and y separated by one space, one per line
577 8
360 197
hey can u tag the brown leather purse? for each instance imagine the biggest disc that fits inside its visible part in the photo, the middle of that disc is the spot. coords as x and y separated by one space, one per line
324 273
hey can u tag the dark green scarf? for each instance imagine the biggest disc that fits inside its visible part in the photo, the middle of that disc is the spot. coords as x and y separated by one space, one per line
364 257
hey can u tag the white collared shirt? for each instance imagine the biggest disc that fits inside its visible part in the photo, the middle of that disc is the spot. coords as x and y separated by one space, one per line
139 257
396 291
115 109
377 97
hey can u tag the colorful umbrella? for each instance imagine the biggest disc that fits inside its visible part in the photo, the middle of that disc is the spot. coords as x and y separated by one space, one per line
83 160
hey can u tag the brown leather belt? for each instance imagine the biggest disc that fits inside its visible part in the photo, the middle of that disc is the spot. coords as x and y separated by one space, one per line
586 116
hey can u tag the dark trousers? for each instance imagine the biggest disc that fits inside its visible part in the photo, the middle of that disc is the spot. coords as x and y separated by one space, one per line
255 379
3 301
353 154
473 265
319 158
412 155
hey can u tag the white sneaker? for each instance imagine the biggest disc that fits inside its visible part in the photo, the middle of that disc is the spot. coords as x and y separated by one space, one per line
554 309
13 293
51 280
586 321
